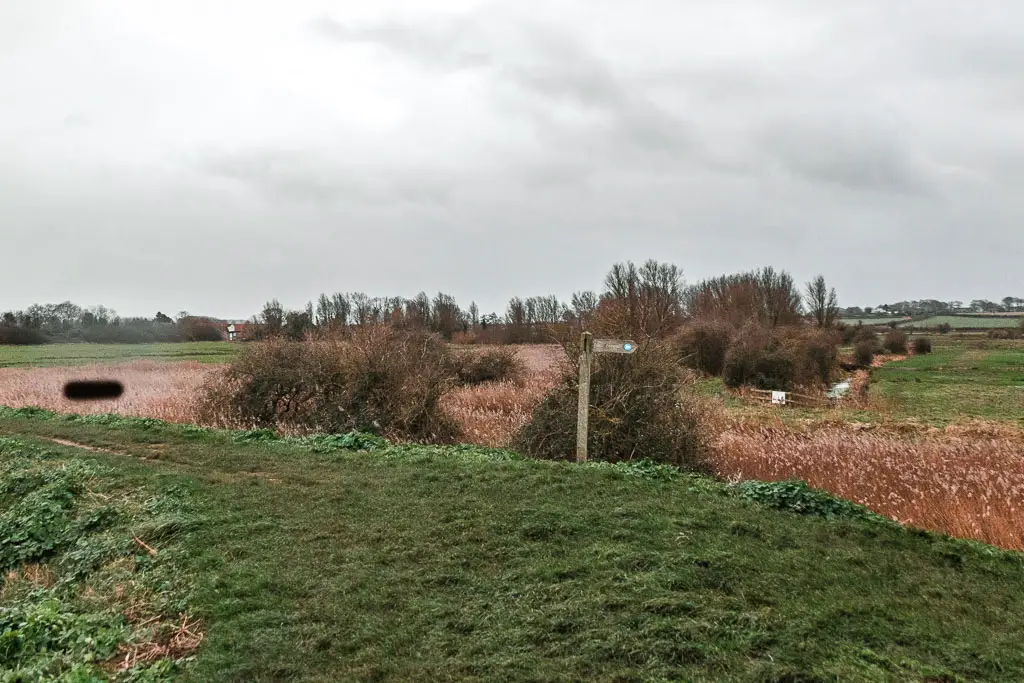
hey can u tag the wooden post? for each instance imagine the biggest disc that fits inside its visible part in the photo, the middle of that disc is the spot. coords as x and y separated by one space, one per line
583 413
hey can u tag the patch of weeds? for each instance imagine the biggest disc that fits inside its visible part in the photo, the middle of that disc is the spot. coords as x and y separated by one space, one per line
642 469
82 596
254 436
798 497
352 441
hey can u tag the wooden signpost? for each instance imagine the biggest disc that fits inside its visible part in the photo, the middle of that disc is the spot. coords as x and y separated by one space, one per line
588 347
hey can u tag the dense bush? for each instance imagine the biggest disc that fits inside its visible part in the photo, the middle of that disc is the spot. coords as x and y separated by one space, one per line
781 359
703 346
377 379
760 367
848 333
864 353
895 341
944 328
638 411
1002 333
21 336
922 345
818 352
492 365
867 334
204 332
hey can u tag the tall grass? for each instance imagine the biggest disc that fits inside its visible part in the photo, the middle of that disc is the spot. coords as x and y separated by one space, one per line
966 480
167 391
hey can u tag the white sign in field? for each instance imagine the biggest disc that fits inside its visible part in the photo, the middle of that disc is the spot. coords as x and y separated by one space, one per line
779 398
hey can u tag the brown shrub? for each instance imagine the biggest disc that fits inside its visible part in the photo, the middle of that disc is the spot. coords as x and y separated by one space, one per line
848 332
895 341
781 359
638 410
922 345
493 365
377 379
816 351
864 353
703 345
864 333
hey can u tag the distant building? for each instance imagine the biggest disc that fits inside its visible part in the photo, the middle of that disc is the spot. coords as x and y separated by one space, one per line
237 331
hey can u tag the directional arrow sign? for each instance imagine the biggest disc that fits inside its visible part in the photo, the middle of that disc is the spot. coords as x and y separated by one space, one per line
614 346
588 347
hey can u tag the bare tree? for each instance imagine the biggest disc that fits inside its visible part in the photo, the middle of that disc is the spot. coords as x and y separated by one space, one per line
583 306
645 300
822 303
768 296
446 315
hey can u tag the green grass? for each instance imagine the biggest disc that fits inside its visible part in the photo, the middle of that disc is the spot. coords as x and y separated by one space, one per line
71 567
82 354
982 380
314 563
964 322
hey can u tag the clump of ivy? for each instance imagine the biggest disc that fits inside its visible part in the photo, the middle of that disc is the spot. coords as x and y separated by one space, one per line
798 497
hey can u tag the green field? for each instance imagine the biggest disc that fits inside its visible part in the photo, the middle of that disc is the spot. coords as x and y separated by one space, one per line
83 354
965 322
309 562
870 321
980 380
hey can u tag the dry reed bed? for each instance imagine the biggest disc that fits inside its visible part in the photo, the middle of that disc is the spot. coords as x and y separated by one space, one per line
167 391
491 414
966 480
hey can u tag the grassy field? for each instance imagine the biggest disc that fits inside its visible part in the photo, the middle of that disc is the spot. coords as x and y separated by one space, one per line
308 562
870 321
964 322
960 380
51 355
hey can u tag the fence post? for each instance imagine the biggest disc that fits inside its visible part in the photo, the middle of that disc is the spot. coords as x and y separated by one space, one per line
583 412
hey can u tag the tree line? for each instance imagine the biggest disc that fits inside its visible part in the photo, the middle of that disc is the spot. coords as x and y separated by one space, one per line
69 322
645 300
926 307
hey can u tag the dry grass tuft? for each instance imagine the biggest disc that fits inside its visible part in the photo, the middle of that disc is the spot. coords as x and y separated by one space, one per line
31 575
164 640
966 480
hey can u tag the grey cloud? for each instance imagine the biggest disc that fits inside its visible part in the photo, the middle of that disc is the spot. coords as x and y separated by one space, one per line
544 68
845 152
301 175
438 45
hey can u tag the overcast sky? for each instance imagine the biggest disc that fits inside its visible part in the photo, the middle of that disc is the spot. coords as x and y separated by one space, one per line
207 155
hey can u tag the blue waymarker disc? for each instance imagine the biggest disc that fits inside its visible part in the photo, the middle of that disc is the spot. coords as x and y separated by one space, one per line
627 347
